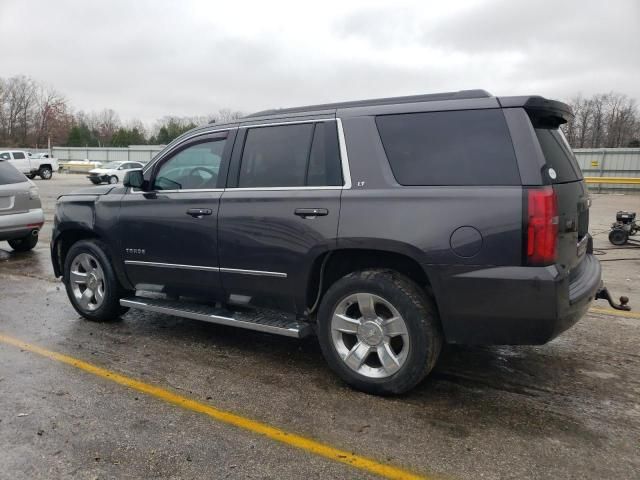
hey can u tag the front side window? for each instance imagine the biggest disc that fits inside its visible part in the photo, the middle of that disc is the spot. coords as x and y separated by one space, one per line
18 155
193 168
295 155
5 156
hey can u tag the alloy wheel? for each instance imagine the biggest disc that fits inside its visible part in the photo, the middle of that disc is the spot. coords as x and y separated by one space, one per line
370 335
87 281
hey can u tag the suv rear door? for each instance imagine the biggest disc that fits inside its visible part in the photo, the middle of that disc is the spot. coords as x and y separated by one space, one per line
280 210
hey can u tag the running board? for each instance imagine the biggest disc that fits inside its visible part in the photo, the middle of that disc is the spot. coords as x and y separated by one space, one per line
261 321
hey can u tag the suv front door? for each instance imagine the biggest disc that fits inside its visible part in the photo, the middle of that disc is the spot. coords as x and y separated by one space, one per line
168 232
279 212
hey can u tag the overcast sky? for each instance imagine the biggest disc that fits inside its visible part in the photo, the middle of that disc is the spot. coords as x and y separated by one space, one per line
146 59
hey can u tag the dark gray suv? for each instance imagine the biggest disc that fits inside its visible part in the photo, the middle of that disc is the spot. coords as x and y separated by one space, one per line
385 226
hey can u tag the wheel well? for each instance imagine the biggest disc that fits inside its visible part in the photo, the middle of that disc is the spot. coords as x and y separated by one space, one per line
64 242
45 165
339 263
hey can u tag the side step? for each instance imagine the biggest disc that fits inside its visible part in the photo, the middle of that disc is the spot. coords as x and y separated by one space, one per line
261 321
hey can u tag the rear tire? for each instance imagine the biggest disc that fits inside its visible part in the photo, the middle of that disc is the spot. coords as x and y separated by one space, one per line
24 244
113 179
362 339
91 283
45 173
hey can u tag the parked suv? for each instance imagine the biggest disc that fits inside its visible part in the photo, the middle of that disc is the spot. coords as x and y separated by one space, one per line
21 215
385 226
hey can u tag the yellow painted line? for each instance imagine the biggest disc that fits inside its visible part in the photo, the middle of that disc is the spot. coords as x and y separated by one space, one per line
273 433
613 180
616 313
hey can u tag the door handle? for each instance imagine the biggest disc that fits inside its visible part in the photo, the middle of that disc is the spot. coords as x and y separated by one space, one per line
199 212
311 212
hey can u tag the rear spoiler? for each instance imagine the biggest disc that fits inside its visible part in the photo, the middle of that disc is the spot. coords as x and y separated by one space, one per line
550 113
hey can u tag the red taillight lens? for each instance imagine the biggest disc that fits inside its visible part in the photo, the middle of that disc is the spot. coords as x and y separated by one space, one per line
542 226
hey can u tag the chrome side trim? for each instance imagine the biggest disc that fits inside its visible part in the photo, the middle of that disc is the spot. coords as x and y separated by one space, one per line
171 265
344 157
260 189
253 272
186 190
292 122
208 269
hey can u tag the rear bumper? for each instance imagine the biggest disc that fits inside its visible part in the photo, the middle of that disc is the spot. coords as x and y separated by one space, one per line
18 225
515 305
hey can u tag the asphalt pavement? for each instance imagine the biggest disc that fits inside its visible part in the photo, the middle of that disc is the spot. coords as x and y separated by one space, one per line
568 409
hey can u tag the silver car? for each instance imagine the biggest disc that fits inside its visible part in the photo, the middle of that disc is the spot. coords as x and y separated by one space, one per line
21 215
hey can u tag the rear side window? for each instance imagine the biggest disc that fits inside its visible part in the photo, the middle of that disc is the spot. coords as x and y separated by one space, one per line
18 155
9 174
558 155
291 156
466 147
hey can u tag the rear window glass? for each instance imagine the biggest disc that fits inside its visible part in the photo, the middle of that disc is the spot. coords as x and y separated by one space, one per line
558 155
466 147
9 174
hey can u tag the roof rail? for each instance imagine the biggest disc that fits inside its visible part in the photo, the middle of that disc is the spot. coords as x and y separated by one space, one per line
431 97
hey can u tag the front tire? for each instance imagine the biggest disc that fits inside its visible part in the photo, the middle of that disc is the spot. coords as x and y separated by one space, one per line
30 176
45 173
379 331
91 283
113 179
24 244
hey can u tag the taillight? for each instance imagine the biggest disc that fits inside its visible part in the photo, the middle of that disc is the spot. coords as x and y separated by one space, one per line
542 226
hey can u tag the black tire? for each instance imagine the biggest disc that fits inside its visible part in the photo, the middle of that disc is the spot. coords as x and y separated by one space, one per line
45 173
24 244
419 314
110 309
95 182
618 236
113 180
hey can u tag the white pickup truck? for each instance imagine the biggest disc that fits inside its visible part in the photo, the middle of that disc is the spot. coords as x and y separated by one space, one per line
31 165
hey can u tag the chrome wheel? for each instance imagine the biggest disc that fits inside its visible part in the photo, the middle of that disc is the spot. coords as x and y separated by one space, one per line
370 335
87 282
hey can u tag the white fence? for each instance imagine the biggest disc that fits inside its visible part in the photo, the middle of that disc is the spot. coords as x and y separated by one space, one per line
141 154
594 162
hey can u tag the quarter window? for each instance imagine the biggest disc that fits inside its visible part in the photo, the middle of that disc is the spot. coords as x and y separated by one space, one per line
296 155
196 167
466 147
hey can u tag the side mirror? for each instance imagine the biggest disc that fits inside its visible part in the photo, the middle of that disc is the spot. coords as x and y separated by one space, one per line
134 179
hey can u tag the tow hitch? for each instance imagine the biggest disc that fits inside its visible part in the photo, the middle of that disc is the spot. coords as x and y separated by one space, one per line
603 294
